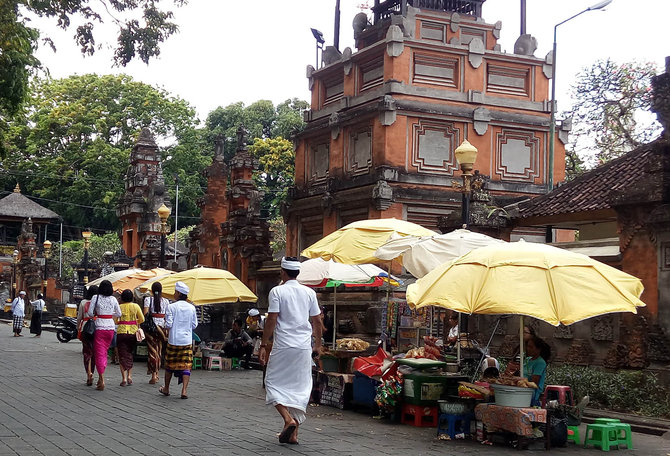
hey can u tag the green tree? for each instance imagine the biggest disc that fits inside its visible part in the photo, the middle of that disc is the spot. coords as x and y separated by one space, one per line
137 38
76 146
73 252
276 160
611 114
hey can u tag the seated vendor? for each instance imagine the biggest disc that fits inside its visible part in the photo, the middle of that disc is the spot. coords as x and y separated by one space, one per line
452 336
255 323
237 344
535 366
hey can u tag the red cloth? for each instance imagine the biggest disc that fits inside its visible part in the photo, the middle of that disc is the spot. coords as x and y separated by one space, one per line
371 365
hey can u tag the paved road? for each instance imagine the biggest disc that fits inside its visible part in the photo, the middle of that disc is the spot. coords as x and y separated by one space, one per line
46 409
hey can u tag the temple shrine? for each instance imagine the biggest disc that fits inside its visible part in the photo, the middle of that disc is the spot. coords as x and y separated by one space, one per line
385 121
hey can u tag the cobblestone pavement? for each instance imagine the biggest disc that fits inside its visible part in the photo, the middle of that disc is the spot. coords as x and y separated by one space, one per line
46 409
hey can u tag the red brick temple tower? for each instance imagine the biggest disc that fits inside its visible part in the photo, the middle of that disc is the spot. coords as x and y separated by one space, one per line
385 121
245 237
145 193
204 240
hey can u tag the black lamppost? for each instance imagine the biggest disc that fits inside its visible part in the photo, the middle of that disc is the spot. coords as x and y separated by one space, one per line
163 214
47 255
15 260
466 155
87 239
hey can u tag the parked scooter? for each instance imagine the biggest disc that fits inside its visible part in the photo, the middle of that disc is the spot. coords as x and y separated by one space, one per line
67 329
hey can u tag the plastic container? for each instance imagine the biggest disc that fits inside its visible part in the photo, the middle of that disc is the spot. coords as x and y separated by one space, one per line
513 396
365 389
330 363
422 389
453 407
71 310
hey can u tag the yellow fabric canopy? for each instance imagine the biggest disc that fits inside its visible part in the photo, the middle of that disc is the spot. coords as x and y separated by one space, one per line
357 242
207 285
132 281
536 280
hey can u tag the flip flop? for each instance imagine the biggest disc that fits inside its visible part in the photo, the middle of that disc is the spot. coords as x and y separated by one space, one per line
184 396
123 383
130 381
286 433
164 393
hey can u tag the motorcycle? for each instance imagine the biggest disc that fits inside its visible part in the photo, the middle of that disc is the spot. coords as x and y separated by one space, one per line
67 329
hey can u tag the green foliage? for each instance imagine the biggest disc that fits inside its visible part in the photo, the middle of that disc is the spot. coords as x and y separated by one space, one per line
267 126
625 390
75 145
610 99
182 234
278 231
276 160
73 251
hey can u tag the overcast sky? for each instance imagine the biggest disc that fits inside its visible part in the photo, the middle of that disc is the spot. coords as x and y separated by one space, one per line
230 51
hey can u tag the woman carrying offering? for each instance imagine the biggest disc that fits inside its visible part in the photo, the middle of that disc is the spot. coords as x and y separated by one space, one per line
86 344
128 324
105 308
155 341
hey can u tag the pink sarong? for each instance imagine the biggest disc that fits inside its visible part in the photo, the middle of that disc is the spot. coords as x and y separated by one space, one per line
101 342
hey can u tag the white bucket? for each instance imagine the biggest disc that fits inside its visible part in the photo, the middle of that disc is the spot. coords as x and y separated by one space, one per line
513 396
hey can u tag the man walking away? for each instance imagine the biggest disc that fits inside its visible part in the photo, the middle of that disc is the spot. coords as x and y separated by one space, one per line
36 319
181 320
288 382
18 312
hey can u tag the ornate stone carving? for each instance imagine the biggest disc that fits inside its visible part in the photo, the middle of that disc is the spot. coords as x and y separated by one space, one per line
509 346
346 58
617 356
548 65
580 352
658 345
382 194
394 41
481 117
476 52
334 124
602 328
387 110
563 332
526 44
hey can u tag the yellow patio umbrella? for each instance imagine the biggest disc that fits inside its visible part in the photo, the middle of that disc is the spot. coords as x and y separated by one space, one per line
132 281
114 277
207 285
357 242
537 280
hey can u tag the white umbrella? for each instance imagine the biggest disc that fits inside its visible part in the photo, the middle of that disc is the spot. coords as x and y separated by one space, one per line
114 276
420 255
317 272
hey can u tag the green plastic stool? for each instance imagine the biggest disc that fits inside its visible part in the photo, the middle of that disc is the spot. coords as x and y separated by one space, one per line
598 435
197 363
613 432
235 363
624 435
575 434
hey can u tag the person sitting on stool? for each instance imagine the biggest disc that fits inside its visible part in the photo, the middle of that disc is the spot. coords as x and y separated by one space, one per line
237 343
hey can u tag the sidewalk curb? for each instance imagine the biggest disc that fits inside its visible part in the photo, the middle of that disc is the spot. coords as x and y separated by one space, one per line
642 424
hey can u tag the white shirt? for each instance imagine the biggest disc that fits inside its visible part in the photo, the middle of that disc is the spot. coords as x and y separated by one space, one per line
181 319
104 305
149 302
453 332
18 307
295 303
38 305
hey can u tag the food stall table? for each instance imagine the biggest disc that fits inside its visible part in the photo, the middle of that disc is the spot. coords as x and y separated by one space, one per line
517 420
344 358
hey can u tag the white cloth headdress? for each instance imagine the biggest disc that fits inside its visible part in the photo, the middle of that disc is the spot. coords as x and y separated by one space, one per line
290 265
181 287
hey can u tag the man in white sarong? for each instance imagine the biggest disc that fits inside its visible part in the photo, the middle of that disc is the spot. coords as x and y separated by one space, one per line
288 381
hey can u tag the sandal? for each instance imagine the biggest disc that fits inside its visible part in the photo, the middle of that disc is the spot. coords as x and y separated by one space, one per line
100 386
184 396
123 383
130 381
286 434
89 380
152 381
163 392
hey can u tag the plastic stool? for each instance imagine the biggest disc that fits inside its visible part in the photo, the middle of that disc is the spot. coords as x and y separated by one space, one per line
573 434
598 435
453 424
613 432
624 435
418 415
234 363
214 363
197 363
560 392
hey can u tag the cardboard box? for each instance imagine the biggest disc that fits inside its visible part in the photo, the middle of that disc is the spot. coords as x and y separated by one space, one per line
226 364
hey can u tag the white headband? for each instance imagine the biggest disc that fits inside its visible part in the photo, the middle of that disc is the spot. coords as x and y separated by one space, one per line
290 265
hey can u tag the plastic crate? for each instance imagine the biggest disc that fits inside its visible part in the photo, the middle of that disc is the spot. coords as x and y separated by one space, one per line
365 390
423 389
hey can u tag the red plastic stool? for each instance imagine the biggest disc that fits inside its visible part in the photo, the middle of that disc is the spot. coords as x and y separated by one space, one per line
419 415
557 392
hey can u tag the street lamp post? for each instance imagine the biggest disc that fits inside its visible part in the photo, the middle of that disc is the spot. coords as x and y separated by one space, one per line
87 239
163 214
552 122
15 260
47 255
466 155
